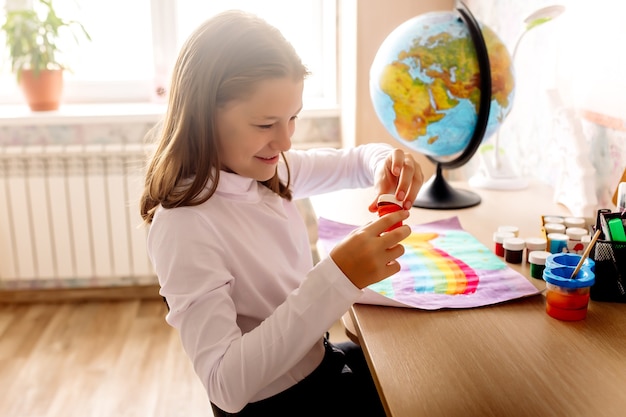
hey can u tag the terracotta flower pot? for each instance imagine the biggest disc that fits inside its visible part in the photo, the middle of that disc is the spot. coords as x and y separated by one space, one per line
42 90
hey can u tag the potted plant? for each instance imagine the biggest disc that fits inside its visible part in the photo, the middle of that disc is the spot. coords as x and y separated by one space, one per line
32 37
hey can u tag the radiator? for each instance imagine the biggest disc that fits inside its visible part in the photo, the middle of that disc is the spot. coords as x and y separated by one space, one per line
69 216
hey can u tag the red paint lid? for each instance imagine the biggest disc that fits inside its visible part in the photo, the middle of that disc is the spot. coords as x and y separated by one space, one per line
389 198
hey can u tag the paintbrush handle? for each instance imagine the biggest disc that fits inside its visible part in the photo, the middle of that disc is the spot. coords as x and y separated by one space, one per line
585 254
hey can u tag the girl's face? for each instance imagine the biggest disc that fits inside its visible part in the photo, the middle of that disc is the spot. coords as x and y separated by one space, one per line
254 131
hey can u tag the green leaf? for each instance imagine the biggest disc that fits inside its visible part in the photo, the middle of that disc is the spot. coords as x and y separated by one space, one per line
32 42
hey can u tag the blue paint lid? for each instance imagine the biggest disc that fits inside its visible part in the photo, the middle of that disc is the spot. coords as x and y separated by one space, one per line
569 259
561 276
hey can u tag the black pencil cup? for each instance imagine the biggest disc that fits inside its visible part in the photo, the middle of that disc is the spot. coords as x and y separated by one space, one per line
610 271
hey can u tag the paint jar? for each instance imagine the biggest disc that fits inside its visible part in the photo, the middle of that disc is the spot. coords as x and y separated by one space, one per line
575 234
388 203
537 260
512 229
557 242
535 244
498 239
574 222
513 249
554 228
553 219
585 241
571 260
566 298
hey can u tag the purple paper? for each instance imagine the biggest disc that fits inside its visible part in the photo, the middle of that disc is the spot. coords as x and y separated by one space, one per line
443 267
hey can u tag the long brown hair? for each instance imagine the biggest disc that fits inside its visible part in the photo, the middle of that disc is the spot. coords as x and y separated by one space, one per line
222 60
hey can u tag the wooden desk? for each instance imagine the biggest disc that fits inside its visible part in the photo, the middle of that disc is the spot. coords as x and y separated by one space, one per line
510 359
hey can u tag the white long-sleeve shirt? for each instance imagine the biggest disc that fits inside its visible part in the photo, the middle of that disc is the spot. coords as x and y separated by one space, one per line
238 275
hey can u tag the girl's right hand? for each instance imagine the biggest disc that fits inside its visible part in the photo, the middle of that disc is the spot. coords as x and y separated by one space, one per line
368 254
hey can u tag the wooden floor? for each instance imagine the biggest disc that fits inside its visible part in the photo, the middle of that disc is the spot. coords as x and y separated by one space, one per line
97 358
109 358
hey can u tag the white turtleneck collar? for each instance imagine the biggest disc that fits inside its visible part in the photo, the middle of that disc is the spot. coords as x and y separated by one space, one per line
234 186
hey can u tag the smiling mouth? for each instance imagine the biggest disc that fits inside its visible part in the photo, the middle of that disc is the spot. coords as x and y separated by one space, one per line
269 158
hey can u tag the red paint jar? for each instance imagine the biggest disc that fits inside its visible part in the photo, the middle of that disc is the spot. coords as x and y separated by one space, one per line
498 239
388 203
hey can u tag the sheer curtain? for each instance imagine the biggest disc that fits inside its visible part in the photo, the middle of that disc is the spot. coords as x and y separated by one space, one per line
568 123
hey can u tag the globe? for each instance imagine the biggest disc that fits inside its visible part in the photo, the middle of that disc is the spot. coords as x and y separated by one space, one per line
427 83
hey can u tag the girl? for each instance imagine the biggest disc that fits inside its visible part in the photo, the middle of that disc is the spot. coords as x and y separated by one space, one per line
228 245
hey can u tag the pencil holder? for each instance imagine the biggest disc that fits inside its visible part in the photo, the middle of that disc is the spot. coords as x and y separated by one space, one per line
610 271
610 258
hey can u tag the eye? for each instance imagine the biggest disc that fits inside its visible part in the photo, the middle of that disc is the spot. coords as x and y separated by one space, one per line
265 126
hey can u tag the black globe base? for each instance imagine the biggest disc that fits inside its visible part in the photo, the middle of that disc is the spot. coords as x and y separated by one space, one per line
437 193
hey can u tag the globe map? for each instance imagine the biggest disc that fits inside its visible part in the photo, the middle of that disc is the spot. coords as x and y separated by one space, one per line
425 83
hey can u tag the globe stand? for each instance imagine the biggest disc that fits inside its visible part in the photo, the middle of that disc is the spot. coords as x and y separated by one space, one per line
436 193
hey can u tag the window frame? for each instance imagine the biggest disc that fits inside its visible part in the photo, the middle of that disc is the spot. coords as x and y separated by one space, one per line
165 51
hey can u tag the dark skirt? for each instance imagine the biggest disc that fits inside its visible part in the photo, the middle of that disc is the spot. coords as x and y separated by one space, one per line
340 386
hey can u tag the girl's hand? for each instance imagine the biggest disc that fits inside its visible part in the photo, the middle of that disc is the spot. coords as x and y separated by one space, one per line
367 255
401 175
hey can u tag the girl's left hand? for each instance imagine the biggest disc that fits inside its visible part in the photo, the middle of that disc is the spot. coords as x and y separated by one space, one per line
401 175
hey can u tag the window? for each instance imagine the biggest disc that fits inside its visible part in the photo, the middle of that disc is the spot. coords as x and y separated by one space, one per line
134 44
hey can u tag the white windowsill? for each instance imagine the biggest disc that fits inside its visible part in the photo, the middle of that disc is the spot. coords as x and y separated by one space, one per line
72 114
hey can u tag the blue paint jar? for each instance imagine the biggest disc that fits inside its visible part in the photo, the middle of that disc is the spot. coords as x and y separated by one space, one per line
557 242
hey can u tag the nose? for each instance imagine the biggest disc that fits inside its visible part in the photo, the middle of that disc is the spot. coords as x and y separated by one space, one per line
282 138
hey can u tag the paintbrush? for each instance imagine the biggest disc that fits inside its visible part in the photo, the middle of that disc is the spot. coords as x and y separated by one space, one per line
586 253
